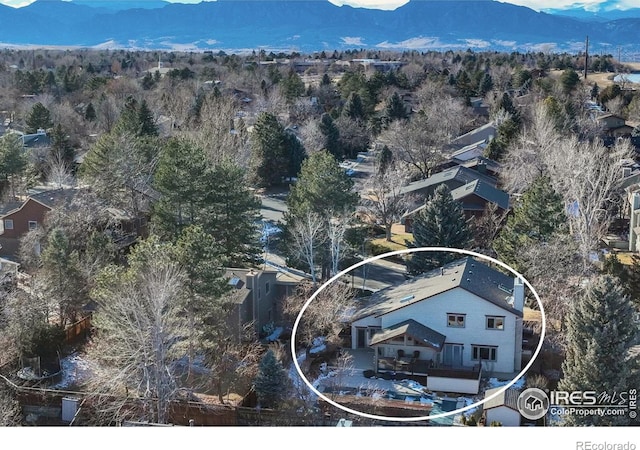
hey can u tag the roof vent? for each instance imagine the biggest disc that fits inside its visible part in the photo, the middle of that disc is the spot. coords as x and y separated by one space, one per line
469 280
441 271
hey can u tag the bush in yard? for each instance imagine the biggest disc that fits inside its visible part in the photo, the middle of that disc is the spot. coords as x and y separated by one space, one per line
271 382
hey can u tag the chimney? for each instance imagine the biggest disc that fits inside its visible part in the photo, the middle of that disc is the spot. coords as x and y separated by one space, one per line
518 294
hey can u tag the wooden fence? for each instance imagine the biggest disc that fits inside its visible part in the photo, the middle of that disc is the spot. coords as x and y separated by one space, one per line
78 330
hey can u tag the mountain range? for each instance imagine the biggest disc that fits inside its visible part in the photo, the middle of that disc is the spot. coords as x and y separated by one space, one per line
308 25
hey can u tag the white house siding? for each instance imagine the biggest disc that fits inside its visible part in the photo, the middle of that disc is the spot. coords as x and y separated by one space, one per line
503 414
457 385
433 314
365 322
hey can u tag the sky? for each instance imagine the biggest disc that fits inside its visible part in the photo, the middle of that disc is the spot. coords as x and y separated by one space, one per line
590 5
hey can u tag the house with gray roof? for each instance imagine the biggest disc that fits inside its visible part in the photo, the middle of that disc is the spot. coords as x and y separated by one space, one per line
450 325
454 177
474 196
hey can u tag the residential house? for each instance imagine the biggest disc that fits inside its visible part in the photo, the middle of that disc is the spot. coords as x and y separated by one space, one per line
484 133
474 196
453 177
503 408
258 296
39 139
614 125
18 218
449 325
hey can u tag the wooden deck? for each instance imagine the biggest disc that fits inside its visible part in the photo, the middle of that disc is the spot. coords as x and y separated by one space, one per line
408 366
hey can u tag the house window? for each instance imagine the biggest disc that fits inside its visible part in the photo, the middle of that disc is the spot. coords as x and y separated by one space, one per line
266 288
8 224
455 320
485 353
495 322
33 225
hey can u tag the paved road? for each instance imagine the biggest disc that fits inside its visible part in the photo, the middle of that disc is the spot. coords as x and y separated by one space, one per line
373 276
273 207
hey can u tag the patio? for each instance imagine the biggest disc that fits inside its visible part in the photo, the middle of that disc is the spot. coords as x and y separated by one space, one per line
389 373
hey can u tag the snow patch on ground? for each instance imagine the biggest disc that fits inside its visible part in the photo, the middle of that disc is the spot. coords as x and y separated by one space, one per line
75 369
494 383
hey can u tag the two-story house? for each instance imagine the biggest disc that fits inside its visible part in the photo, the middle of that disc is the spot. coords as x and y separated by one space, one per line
448 324
258 296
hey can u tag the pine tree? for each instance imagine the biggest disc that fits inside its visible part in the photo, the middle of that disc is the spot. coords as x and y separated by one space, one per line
441 223
354 108
90 113
395 109
332 136
271 382
600 333
269 152
147 125
38 118
230 213
60 145
538 215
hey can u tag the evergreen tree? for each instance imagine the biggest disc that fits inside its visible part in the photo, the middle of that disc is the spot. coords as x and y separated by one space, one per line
271 382
64 281
60 145
569 80
293 86
332 136
441 223
322 187
39 118
13 162
230 213
395 109
90 113
353 108
181 178
147 125
383 159
486 84
269 153
600 333
538 215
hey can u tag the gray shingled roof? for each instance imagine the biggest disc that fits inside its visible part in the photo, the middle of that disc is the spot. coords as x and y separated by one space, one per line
466 273
484 191
482 133
421 334
461 174
54 197
508 398
479 188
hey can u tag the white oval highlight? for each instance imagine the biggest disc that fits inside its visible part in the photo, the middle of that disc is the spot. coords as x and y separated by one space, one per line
402 252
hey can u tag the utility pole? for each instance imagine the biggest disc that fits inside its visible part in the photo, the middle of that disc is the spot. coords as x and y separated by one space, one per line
586 57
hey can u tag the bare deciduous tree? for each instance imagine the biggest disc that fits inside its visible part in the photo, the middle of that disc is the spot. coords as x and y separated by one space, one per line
308 235
336 229
139 330
384 199
590 185
325 315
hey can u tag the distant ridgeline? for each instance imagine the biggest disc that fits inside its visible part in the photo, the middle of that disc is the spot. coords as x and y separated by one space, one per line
308 26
